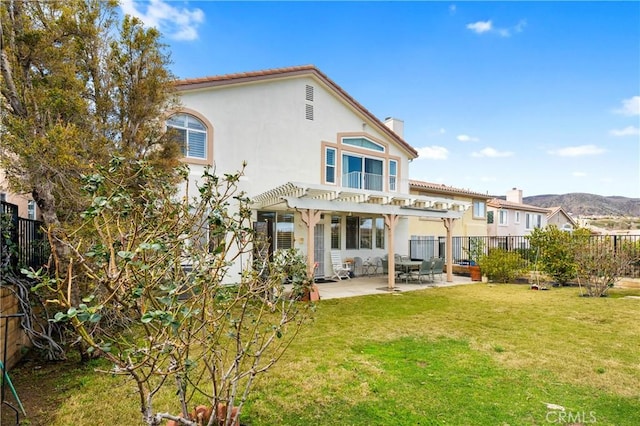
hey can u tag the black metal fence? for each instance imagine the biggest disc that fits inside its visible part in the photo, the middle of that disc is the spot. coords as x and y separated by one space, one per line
23 243
428 247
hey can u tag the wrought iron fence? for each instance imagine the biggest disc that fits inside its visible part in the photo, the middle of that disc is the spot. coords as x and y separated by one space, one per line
23 243
428 247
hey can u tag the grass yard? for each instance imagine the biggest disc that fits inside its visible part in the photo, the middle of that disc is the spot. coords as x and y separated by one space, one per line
467 355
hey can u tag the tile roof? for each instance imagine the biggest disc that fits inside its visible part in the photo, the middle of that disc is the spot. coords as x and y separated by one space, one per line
246 77
438 187
503 204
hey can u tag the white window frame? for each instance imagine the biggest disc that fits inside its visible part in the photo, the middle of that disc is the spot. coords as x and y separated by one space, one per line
331 167
190 131
479 205
531 218
31 210
393 176
503 217
364 143
516 217
363 178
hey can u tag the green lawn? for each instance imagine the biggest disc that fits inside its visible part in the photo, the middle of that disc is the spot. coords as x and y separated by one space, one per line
467 355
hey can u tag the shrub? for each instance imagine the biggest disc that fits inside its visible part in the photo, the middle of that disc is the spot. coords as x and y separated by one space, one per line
556 251
600 264
502 266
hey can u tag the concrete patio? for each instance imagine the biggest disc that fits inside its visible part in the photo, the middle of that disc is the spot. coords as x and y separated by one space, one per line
378 284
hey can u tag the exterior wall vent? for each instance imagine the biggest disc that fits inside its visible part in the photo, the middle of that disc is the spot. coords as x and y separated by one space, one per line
309 93
309 111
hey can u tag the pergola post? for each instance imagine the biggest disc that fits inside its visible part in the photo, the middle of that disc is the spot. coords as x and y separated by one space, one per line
390 221
448 224
310 217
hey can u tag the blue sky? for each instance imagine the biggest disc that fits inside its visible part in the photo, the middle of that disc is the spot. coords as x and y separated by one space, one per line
542 96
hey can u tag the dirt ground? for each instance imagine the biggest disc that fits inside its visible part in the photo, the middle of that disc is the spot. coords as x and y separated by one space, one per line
40 385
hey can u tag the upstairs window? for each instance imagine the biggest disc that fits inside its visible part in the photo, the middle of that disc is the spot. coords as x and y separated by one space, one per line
361 172
479 209
393 175
533 221
502 217
330 165
192 135
363 143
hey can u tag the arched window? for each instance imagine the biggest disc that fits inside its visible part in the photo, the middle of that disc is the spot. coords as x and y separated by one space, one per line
192 134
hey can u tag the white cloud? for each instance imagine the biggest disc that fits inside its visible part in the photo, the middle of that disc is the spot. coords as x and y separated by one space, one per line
433 153
467 138
452 9
627 131
577 151
491 152
442 131
630 106
519 27
480 26
176 23
579 174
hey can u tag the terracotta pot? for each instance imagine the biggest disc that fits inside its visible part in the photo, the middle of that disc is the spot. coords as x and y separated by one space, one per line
475 273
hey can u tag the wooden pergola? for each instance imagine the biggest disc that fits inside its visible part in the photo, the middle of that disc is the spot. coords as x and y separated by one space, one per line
311 200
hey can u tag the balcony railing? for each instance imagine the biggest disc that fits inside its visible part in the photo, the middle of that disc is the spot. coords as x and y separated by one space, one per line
368 181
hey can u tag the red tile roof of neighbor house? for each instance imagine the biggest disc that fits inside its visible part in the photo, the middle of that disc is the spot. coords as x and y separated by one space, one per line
252 76
444 189
503 204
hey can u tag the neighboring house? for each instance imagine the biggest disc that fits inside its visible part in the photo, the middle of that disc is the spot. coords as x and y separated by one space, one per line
428 234
27 208
561 219
511 217
323 172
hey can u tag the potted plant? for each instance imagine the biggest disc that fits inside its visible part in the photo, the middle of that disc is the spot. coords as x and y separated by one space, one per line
475 252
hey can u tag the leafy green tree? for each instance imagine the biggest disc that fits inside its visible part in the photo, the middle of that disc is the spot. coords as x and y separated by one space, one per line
556 251
161 306
77 89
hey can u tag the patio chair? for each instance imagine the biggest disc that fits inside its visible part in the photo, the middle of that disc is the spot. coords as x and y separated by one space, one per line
437 268
340 269
426 270
357 266
375 266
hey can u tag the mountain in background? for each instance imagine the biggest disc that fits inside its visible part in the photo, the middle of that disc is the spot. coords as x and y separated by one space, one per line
581 204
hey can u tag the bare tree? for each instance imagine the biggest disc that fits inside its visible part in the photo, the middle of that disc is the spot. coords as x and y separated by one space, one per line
163 262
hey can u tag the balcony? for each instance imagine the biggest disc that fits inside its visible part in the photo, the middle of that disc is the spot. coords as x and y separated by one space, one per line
370 181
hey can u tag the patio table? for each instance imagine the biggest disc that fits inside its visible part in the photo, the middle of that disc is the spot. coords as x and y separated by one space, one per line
407 266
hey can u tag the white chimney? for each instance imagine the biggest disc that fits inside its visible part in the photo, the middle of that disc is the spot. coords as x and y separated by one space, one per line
515 195
396 125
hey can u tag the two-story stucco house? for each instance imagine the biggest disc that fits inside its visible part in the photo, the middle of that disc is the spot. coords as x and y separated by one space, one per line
428 235
323 172
27 208
558 217
511 217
